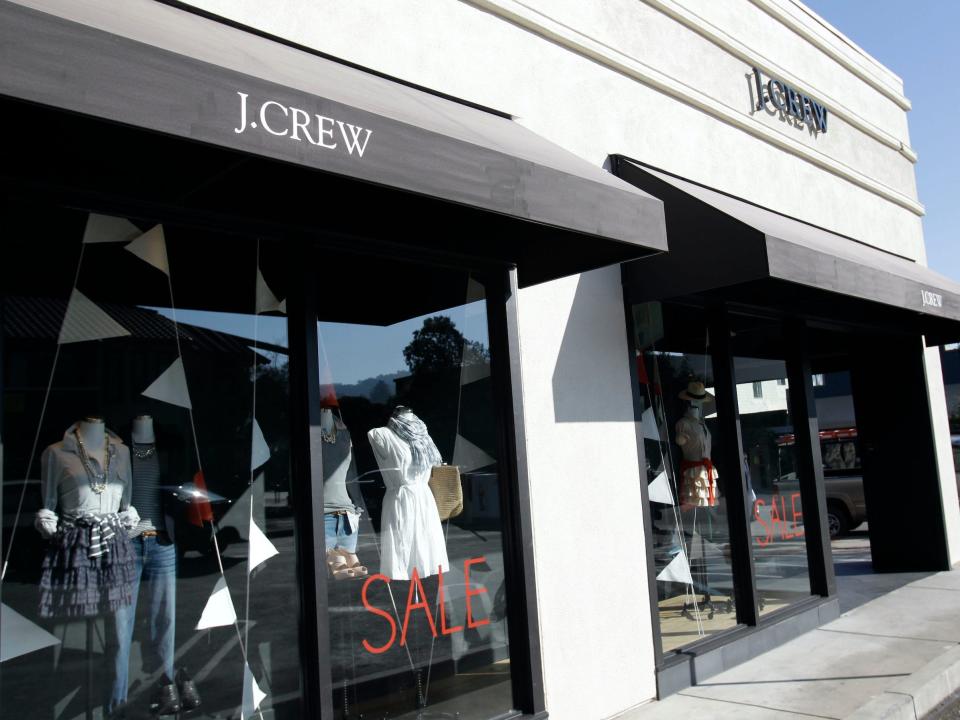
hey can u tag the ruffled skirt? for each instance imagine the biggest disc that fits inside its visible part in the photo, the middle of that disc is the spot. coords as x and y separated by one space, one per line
698 484
75 585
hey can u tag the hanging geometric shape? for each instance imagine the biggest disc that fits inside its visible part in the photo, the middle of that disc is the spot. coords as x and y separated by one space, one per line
649 423
260 451
171 386
19 636
266 300
151 247
659 490
468 456
219 610
474 371
678 570
475 294
84 320
260 547
252 694
108 229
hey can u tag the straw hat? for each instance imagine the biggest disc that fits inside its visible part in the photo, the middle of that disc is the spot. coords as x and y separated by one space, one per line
695 391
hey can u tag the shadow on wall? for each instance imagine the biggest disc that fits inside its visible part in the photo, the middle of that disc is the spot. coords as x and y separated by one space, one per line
591 376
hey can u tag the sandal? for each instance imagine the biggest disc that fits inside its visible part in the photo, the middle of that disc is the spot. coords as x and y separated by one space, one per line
337 566
353 563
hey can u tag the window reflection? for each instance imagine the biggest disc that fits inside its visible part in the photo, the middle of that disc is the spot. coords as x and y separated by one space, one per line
412 512
770 464
149 564
688 503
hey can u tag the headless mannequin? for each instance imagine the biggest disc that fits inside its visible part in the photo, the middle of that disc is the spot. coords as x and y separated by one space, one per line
93 432
142 433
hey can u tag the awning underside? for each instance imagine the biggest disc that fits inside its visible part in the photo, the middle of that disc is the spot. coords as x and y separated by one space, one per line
151 66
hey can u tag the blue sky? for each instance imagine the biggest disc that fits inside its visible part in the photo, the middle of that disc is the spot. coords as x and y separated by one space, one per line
918 41
352 352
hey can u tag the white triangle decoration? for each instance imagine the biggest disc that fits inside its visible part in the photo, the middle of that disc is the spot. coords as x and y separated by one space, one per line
64 703
171 386
260 451
238 516
19 636
468 456
266 300
649 423
473 372
678 570
85 320
151 247
252 694
219 610
659 490
476 293
260 547
108 229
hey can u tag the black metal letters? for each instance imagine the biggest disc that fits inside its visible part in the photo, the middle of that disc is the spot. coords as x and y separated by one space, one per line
790 101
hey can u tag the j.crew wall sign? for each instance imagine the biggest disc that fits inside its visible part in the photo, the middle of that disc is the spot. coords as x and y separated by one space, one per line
775 93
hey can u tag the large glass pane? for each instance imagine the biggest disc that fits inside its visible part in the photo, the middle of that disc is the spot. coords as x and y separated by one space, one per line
149 562
686 486
417 594
770 463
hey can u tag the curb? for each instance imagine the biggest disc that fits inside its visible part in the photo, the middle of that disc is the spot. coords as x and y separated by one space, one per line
917 695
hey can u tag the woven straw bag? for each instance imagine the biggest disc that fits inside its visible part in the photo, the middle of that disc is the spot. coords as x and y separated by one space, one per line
447 490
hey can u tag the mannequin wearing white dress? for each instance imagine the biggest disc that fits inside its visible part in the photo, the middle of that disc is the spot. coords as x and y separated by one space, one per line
412 536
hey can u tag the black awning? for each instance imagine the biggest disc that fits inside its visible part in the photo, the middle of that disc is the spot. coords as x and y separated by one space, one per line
153 66
728 247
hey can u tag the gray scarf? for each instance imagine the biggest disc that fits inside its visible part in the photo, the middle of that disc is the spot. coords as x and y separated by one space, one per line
412 430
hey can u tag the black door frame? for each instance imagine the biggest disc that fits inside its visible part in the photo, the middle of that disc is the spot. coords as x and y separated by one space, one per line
501 303
307 484
681 667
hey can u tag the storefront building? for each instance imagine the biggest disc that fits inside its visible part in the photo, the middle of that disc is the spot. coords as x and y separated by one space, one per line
283 282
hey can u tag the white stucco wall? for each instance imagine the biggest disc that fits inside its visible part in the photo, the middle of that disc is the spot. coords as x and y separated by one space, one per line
585 491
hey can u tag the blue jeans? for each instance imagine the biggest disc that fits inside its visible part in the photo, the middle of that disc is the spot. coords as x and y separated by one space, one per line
156 565
337 533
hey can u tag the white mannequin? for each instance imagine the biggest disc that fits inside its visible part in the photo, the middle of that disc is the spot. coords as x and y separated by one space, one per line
93 432
142 432
695 411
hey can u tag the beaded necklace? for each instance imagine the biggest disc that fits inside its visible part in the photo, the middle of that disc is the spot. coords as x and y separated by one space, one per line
98 481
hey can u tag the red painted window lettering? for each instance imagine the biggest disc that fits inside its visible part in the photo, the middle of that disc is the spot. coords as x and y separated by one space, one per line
415 584
443 609
797 515
376 611
472 593
765 540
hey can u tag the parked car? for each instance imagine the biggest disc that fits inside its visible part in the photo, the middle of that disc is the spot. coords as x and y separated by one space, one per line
842 476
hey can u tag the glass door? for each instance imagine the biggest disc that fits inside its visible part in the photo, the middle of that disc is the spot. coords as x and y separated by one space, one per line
413 518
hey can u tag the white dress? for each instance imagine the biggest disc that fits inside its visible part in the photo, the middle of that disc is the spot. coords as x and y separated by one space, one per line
410 529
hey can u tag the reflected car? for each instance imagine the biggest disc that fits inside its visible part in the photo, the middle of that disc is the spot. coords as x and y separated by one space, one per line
842 478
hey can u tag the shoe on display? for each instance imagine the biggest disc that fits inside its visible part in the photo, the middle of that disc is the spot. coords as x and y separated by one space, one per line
166 700
189 695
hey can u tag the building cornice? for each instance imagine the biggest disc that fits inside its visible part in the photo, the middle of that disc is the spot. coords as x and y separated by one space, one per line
600 52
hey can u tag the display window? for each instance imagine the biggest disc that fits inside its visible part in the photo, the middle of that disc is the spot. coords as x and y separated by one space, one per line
414 552
686 480
770 464
149 565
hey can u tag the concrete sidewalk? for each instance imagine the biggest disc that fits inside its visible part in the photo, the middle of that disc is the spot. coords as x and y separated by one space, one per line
894 657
